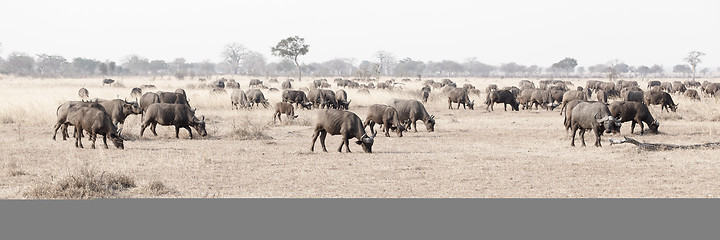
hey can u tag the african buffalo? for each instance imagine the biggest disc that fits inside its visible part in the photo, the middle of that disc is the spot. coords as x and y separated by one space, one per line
501 96
119 110
460 96
592 116
635 112
297 97
238 99
660 98
692 94
256 97
94 121
62 115
344 123
412 110
286 108
169 114
385 115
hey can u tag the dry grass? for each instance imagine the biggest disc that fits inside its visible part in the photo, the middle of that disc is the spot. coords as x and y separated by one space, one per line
471 153
85 184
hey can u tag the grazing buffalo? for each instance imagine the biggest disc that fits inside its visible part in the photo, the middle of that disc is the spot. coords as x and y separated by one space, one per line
238 99
286 85
119 110
567 109
460 96
710 88
634 96
660 98
678 87
425 96
653 83
601 97
108 81
297 97
491 87
635 112
169 114
541 98
592 116
501 96
666 86
84 94
412 110
341 98
136 93
344 123
526 84
256 97
94 121
286 108
385 115
692 94
255 82
62 112
328 99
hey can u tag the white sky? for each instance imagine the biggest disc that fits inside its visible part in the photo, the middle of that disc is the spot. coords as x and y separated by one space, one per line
499 31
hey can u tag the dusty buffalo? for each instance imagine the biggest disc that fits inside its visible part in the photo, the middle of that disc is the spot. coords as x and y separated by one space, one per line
385 115
678 87
148 99
286 85
297 97
238 99
256 97
412 110
255 82
568 107
286 108
592 116
62 115
666 86
136 93
460 96
660 98
108 81
491 87
173 97
635 112
119 110
541 98
653 83
344 123
328 99
634 96
342 100
94 121
692 94
601 97
168 114
501 96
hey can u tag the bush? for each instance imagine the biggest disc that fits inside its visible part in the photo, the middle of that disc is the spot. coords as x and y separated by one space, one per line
85 184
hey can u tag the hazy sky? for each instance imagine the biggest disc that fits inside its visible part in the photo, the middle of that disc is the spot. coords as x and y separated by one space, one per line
523 31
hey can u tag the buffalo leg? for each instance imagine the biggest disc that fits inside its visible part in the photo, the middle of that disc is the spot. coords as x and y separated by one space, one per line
597 137
582 137
177 132
323 134
505 105
450 104
642 127
632 127
414 124
152 128
574 131
314 138
189 131
93 137
346 141
386 127
57 126
105 141
78 140
142 128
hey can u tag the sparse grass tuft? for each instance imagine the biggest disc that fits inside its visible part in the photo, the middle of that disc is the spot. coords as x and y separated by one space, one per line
85 184
14 171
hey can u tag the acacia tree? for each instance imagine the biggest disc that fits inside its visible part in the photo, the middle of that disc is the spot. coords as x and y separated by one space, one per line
693 59
291 48
567 64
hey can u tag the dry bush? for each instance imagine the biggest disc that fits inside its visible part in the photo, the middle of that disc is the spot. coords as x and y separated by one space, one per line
85 184
158 188
14 171
249 130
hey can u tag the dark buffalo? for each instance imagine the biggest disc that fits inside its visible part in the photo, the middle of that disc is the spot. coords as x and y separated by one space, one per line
460 96
412 110
678 87
255 83
592 116
342 100
344 123
119 110
635 112
385 115
653 83
173 97
666 86
62 112
502 96
692 94
634 96
491 87
148 99
136 93
169 114
660 98
108 81
94 121
297 97
328 99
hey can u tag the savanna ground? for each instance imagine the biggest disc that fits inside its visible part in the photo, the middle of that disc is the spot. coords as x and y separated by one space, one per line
471 154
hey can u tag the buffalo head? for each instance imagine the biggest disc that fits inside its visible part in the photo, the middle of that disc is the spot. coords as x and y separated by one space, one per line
366 142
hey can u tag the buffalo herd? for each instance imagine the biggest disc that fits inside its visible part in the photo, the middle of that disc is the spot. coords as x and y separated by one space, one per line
584 108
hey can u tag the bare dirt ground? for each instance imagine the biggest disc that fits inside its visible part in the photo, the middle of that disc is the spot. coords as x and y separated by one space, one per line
472 153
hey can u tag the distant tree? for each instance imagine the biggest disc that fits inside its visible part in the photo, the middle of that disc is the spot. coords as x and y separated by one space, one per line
705 71
409 67
233 55
111 67
682 69
19 64
180 75
103 68
386 60
512 69
85 66
657 70
567 64
50 65
291 48
136 64
253 63
693 59
179 64
158 67
643 71
477 68
206 68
